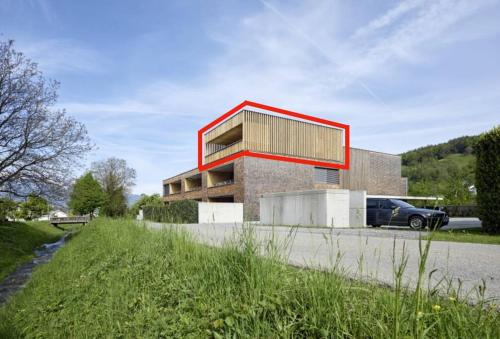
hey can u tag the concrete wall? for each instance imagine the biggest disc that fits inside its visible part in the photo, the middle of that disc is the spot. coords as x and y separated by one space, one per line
263 176
307 208
357 208
213 212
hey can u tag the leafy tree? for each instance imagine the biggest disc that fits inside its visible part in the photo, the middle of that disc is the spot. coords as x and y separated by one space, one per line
145 200
445 169
8 208
116 179
461 145
39 145
457 186
34 207
87 195
488 179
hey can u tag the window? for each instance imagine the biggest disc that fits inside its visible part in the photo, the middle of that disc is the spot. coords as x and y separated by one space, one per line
326 175
166 190
402 204
386 204
371 203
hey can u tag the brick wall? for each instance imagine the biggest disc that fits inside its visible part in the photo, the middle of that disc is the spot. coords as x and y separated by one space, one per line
375 172
269 176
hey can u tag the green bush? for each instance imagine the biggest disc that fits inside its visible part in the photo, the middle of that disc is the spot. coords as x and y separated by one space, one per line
488 180
180 212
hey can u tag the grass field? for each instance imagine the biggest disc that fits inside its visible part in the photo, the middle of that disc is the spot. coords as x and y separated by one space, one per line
471 236
116 279
18 239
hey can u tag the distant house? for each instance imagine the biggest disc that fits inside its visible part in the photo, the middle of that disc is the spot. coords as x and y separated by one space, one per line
53 214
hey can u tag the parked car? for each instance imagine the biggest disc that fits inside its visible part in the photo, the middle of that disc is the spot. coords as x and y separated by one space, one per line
396 212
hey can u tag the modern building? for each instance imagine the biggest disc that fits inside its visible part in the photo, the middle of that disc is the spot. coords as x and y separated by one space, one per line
284 155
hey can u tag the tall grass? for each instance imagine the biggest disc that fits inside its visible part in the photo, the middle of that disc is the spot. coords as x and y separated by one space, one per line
116 279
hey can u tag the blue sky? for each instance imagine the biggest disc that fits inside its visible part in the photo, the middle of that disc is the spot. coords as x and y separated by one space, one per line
144 76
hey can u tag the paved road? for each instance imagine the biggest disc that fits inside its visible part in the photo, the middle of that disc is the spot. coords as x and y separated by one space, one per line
463 223
367 253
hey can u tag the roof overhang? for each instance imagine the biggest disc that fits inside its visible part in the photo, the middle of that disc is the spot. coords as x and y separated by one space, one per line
403 197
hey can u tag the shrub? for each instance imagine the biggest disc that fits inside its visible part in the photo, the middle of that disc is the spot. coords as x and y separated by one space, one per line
463 211
181 212
488 179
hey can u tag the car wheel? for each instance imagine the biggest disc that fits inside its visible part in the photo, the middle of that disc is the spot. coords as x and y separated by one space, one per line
417 222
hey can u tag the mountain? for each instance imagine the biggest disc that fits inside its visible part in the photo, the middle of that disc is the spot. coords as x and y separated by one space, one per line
446 169
132 198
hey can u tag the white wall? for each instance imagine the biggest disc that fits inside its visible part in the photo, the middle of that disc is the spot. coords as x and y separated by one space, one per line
220 212
357 208
308 208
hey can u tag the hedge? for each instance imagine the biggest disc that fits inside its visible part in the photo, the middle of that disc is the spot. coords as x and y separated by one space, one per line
464 211
488 179
179 212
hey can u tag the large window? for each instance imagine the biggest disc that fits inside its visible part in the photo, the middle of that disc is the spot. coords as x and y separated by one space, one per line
326 175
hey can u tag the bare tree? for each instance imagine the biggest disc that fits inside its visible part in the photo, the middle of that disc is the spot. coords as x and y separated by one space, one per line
116 179
39 146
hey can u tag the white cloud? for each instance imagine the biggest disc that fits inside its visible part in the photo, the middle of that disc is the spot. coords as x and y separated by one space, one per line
56 56
293 58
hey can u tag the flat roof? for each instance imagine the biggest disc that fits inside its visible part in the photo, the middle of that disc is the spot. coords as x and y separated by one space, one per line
403 197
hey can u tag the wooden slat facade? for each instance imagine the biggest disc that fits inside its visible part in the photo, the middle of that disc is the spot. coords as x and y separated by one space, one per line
224 127
235 148
271 134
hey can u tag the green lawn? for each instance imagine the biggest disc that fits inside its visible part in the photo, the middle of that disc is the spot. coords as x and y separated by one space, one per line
472 236
461 160
18 239
116 279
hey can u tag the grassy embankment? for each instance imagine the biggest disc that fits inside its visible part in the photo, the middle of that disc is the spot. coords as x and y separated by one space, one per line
470 236
19 239
116 279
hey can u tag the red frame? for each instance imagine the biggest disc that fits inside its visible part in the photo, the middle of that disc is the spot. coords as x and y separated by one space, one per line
203 167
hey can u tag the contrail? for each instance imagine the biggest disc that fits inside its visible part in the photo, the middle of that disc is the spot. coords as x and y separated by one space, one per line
320 49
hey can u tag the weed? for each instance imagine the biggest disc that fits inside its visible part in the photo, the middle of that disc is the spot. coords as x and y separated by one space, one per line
119 280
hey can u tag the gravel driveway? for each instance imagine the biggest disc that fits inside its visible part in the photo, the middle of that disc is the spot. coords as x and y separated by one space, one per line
367 254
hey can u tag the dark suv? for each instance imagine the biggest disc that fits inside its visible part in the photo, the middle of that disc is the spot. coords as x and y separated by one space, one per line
399 213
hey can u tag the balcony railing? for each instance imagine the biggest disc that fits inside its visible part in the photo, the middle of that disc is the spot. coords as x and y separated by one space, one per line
214 148
194 188
230 149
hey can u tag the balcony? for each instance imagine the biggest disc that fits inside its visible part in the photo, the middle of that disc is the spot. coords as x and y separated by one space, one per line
175 187
221 176
225 144
192 183
224 152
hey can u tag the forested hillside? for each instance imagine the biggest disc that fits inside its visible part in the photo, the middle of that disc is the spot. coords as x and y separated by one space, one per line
445 169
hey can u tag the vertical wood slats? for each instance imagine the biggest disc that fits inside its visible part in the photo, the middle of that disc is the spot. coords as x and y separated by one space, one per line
224 127
271 134
225 152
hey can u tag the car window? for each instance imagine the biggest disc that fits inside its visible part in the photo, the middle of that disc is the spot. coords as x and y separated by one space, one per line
371 203
386 204
401 203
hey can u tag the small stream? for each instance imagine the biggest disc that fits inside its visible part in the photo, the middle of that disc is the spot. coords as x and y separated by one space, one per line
18 279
